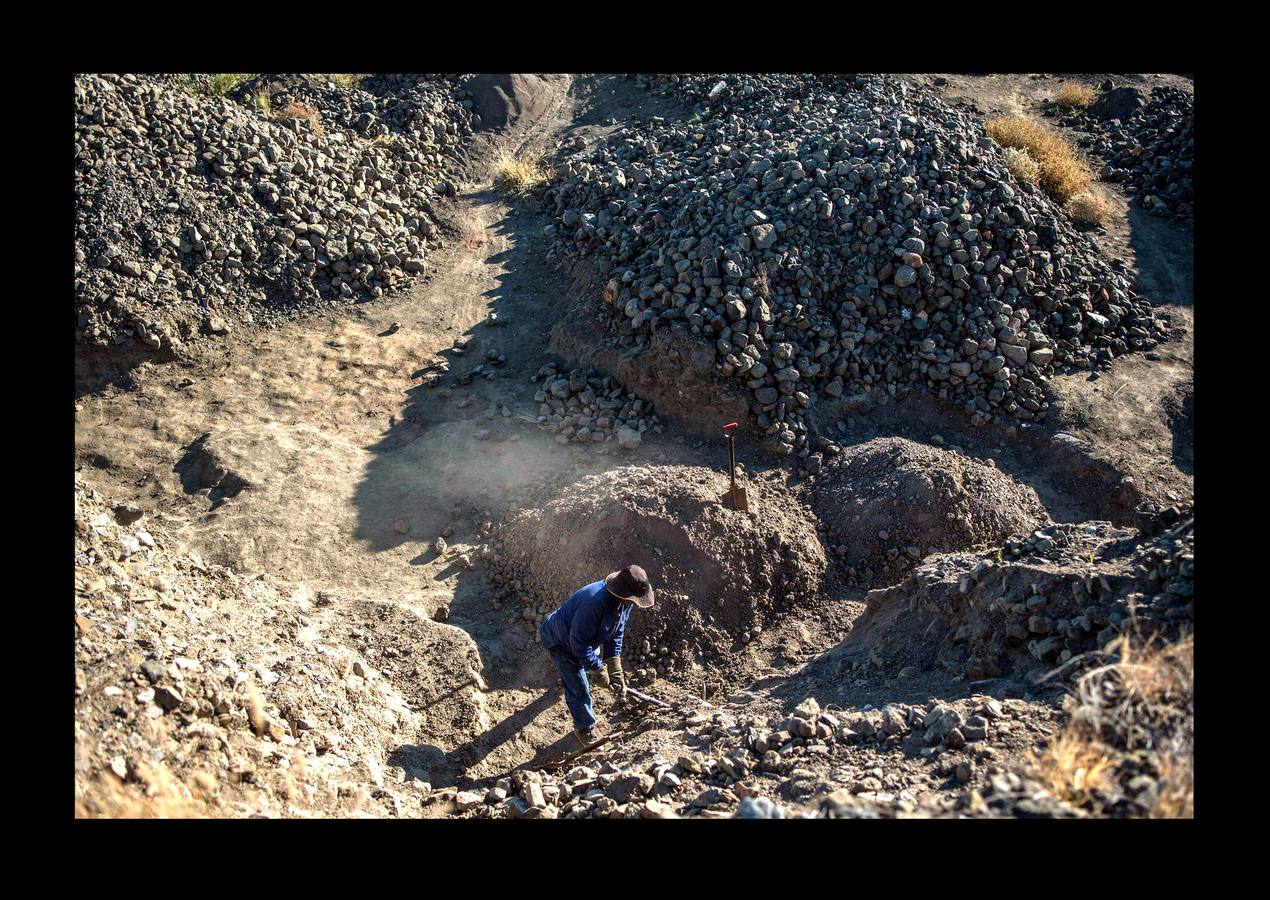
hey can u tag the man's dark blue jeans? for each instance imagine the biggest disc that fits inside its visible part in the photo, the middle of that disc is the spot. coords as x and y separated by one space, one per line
577 693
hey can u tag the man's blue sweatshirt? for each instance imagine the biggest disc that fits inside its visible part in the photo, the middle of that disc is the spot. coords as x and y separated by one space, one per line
586 620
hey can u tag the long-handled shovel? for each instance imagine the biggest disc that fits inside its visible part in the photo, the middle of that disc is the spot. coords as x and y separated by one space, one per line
736 496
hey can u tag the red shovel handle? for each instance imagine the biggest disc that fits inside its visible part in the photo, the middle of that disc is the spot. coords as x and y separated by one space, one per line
730 427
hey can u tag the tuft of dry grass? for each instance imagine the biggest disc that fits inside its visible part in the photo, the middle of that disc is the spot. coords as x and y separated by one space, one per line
297 110
1089 206
261 102
255 706
348 82
156 794
1074 768
1075 96
1021 165
521 174
1063 173
1140 701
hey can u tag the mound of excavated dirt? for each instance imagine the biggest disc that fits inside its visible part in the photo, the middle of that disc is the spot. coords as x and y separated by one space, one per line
890 502
1070 590
720 574
674 373
501 100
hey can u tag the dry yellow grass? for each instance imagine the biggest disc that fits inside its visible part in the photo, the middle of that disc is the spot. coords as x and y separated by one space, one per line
1063 172
1089 206
1074 767
347 81
1075 96
158 796
1021 165
521 174
297 110
1137 700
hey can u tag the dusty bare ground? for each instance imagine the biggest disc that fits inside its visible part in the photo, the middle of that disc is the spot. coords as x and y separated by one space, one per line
316 453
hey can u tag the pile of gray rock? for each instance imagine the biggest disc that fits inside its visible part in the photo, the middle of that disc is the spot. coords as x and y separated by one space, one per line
830 236
582 407
1147 145
196 212
1062 593
743 762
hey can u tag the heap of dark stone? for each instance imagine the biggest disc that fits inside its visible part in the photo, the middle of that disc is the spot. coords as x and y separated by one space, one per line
836 235
196 212
1147 146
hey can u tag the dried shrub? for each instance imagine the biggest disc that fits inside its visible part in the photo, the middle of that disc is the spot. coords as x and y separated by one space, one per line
521 174
1063 172
1089 206
1021 165
296 110
1075 96
1139 705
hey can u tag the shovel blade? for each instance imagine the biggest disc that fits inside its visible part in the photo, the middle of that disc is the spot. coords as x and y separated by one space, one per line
737 499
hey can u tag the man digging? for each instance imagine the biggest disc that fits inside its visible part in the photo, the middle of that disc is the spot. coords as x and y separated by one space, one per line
594 617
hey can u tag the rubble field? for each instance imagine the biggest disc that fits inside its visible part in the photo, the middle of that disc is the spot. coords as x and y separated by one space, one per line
355 413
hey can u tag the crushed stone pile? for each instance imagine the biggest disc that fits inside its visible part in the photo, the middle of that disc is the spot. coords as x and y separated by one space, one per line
833 235
890 502
582 406
201 691
194 213
1147 145
720 574
749 759
1055 600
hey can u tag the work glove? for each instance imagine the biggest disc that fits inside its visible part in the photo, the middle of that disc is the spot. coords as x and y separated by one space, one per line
617 678
601 677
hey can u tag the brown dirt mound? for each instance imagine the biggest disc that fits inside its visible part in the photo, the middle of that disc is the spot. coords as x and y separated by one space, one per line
1039 604
719 573
676 374
890 502
501 100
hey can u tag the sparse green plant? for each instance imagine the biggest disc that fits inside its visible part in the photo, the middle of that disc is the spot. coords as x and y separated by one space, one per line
261 101
188 84
222 84
348 82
